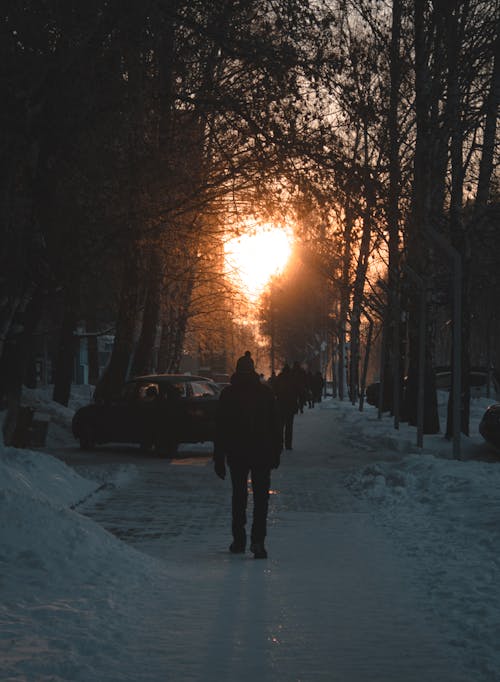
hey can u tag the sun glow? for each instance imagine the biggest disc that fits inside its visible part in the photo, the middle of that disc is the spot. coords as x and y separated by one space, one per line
253 258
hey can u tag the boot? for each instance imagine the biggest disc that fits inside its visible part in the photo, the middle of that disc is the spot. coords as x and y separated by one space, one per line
258 550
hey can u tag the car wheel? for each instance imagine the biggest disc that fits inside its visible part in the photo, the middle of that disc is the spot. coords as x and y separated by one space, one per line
172 448
167 447
87 441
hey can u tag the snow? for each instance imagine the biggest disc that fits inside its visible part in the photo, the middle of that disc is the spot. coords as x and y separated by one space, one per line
383 560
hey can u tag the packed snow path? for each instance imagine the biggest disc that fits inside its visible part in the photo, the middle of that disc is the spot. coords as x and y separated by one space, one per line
335 601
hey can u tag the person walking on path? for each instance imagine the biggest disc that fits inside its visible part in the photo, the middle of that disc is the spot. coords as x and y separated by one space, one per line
287 395
272 380
318 384
310 389
249 437
300 377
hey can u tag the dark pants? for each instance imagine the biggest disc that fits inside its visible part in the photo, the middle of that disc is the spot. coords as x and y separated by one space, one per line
261 480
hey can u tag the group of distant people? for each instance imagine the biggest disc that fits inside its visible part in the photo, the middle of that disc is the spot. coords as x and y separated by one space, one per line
254 418
294 388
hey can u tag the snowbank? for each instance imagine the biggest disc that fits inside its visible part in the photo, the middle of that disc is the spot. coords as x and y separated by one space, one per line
443 513
58 416
60 574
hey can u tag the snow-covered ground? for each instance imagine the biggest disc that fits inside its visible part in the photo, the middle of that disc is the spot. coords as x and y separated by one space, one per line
446 515
73 595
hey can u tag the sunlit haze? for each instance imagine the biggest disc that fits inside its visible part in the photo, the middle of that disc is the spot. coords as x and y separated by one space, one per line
252 259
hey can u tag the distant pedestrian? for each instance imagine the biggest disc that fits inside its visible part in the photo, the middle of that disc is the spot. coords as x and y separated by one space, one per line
248 355
288 402
249 438
272 380
310 389
318 384
300 379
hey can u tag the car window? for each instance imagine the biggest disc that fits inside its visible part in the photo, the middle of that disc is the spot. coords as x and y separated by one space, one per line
201 388
215 388
148 392
181 388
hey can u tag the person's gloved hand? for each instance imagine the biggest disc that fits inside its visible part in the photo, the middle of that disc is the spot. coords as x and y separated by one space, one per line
220 468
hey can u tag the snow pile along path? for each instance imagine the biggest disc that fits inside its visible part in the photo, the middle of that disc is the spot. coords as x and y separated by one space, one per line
61 576
444 515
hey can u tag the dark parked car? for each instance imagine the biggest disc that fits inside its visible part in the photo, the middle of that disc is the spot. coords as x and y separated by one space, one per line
372 393
160 411
479 378
489 426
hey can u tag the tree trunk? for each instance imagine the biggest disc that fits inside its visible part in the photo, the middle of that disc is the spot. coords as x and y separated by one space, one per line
65 360
174 324
459 236
358 290
394 342
489 135
92 348
179 337
344 300
14 362
440 137
361 270
419 223
143 362
126 327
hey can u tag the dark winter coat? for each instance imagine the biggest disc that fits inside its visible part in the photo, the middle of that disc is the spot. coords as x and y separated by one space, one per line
317 384
248 426
287 393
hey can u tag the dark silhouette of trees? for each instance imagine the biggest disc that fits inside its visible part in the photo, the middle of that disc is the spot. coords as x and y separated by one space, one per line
134 137
124 128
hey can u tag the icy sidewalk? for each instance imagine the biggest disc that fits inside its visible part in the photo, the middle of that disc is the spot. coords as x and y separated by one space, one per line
334 602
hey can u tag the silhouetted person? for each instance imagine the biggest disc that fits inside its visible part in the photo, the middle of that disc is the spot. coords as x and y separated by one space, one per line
287 396
318 384
249 437
310 389
248 356
300 379
272 380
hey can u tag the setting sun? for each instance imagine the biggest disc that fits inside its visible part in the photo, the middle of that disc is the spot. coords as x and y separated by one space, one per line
252 259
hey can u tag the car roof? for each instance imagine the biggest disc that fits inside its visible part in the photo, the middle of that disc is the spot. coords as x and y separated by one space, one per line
169 378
